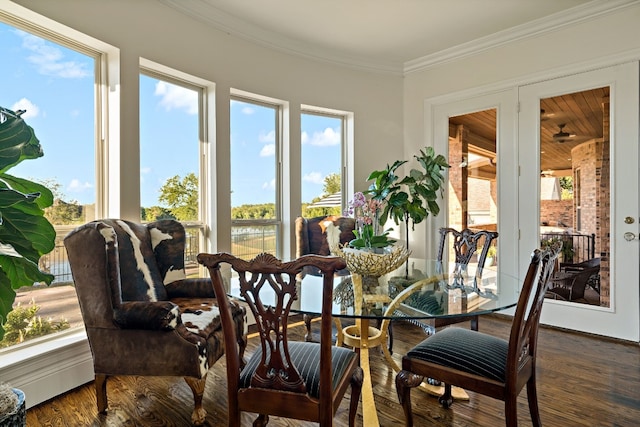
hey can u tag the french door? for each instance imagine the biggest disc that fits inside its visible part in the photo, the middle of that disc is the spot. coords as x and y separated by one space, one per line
579 183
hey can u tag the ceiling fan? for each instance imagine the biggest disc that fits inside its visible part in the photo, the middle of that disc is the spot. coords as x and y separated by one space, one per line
562 136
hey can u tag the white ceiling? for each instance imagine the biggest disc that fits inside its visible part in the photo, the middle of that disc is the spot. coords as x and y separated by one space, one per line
387 35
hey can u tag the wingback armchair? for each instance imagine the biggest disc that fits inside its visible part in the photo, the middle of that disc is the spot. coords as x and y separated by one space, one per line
317 236
142 315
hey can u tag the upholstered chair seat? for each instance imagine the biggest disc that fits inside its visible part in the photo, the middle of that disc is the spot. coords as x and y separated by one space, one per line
142 315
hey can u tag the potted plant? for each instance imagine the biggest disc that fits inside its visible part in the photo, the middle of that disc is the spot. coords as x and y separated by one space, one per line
491 255
25 233
414 197
12 406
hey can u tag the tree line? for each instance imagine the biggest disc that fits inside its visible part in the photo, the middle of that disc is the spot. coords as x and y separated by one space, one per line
178 199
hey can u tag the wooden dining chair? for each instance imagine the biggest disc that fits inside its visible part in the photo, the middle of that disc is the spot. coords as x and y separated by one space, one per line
291 379
465 243
484 363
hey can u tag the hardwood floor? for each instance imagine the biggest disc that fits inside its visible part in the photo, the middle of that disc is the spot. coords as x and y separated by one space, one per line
582 381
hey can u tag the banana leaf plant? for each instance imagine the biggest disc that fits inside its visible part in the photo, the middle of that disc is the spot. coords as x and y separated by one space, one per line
25 233
413 198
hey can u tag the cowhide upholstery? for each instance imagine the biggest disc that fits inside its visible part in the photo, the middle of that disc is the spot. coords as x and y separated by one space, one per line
318 235
142 315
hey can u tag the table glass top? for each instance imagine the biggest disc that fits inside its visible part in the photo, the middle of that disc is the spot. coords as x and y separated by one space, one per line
426 293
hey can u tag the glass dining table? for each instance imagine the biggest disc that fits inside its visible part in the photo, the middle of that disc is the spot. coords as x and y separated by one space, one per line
417 290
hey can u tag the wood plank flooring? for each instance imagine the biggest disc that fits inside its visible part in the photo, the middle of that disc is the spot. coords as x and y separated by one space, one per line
582 381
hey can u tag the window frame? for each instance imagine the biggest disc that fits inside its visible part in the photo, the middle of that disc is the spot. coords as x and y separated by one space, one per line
279 108
346 147
51 365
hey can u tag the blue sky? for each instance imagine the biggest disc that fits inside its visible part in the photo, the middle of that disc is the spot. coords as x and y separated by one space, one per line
56 87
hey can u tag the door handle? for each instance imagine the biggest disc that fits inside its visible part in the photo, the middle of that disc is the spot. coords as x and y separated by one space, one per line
629 236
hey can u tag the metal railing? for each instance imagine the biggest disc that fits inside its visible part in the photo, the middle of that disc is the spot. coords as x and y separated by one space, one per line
575 247
246 242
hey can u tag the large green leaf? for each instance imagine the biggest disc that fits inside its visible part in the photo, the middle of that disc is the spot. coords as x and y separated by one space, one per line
17 140
25 234
7 297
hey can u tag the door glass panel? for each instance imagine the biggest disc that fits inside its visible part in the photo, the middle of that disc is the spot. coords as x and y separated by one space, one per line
473 197
575 193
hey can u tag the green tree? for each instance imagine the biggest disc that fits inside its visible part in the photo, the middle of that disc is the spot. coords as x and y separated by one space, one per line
155 213
332 184
566 185
61 212
181 196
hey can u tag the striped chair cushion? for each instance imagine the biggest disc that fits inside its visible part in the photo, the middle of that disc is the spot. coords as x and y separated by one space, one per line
465 350
305 356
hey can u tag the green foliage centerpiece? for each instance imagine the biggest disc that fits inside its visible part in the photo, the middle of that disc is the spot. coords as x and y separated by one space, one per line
413 198
25 233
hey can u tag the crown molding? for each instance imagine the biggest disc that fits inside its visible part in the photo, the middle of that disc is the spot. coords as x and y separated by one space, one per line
205 12
536 27
230 24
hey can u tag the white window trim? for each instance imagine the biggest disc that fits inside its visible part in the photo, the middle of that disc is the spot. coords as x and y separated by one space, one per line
62 362
283 162
347 147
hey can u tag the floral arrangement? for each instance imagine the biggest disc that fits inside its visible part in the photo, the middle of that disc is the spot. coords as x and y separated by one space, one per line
366 212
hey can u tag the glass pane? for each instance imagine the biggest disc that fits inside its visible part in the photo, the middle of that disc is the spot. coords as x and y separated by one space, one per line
321 165
473 196
254 174
575 192
169 150
37 72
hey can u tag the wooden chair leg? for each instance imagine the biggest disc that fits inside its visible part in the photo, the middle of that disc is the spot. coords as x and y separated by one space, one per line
532 396
101 393
197 387
405 381
511 410
390 337
356 390
261 421
446 400
307 324
474 323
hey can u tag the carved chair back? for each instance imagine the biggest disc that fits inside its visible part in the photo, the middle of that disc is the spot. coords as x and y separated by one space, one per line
273 380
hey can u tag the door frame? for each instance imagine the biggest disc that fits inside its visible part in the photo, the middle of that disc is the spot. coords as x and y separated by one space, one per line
622 318
437 127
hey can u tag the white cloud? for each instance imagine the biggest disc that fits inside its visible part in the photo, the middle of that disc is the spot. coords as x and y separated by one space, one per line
268 150
326 138
304 137
49 59
176 97
267 137
269 185
32 109
75 186
248 111
314 177
145 170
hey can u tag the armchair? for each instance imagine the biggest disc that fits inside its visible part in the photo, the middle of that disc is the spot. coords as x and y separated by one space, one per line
142 315
317 236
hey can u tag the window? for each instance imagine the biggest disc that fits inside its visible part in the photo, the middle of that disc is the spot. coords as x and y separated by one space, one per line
322 146
255 177
57 86
169 149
